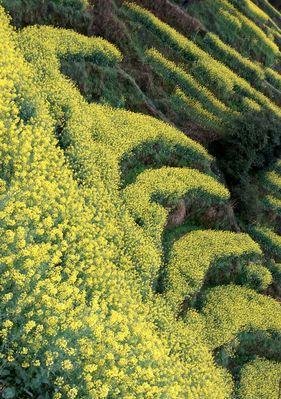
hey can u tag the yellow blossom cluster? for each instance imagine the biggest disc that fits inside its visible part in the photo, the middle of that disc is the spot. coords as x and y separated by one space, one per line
201 252
81 317
167 186
71 275
260 379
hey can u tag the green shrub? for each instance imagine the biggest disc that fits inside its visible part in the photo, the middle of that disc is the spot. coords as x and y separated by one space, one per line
250 143
249 8
256 276
275 269
273 78
269 9
189 50
142 142
272 181
222 81
272 203
62 13
79 314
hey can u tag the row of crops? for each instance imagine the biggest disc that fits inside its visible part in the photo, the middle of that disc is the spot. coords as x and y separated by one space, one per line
204 74
97 300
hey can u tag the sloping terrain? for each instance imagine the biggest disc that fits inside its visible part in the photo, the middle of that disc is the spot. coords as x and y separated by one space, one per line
140 199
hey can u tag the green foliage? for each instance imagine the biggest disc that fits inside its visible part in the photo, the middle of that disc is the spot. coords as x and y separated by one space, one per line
195 110
269 9
257 277
273 78
244 67
251 10
145 142
171 72
271 180
191 53
63 13
64 43
222 81
239 31
268 239
266 230
250 144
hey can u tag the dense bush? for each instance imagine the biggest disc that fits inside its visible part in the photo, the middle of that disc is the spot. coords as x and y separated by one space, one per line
73 276
251 143
85 194
63 13
195 111
269 8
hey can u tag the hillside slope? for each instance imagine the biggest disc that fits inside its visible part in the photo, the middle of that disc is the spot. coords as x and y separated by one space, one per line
140 189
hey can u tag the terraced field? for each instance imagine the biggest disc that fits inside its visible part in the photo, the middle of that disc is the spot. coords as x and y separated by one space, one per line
140 199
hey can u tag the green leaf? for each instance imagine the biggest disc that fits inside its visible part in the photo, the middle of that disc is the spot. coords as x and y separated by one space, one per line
9 393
